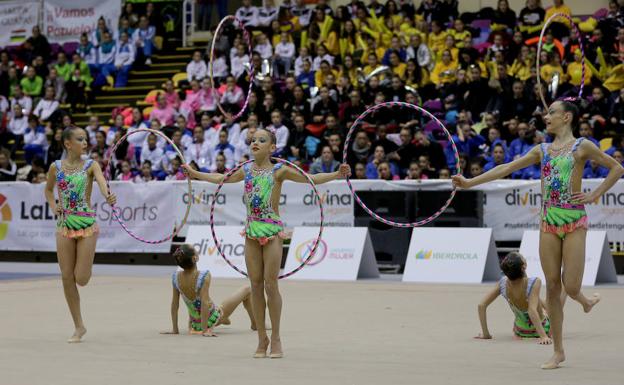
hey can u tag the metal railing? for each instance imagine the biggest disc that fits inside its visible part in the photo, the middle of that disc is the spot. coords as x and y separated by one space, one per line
188 20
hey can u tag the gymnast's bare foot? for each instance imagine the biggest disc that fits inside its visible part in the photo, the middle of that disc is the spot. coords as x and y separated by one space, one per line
78 334
224 321
591 302
263 345
276 347
555 360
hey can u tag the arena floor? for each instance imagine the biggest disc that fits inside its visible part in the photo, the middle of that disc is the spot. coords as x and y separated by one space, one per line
369 332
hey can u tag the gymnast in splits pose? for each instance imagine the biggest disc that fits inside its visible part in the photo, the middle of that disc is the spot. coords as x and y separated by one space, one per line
563 216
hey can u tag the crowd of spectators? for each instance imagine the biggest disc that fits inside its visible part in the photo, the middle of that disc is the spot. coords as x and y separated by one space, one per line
318 68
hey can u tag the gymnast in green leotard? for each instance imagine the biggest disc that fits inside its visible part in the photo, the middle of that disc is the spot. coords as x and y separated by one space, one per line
193 285
522 294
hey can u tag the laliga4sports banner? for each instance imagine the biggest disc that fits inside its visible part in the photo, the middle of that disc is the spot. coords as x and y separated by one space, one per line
28 223
66 20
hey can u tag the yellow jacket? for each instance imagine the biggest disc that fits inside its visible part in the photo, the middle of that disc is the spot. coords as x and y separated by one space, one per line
562 9
436 42
575 73
520 70
443 73
424 79
547 71
319 77
459 37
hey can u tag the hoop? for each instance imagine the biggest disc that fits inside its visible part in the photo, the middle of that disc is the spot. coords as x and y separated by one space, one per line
344 160
251 68
115 209
316 242
539 51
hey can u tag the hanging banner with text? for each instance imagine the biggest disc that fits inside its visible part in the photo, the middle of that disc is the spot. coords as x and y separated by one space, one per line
66 20
17 18
28 223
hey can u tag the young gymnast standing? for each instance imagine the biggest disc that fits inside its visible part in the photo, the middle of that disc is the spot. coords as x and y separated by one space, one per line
264 231
563 216
77 230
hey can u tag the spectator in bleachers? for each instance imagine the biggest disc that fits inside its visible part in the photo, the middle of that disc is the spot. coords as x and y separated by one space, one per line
155 155
175 172
280 130
106 57
594 170
76 89
263 46
238 61
247 14
306 78
47 106
531 17
118 125
384 171
284 56
144 39
97 36
220 164
146 173
88 53
92 128
267 14
8 169
379 157
302 12
232 96
62 67
79 64
41 67
196 68
414 172
244 140
124 58
586 131
124 26
32 84
200 151
498 157
224 148
36 45
100 147
16 128
163 112
171 94
129 14
34 140
125 174
55 147
617 144
57 83
619 156
325 162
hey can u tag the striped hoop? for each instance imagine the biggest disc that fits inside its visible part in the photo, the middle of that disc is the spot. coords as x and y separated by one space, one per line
251 67
344 160
317 240
115 210
540 42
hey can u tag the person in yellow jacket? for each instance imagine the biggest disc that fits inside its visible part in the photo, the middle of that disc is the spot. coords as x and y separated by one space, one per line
551 64
349 70
415 76
459 33
449 44
321 75
436 38
372 48
521 66
575 71
559 7
396 65
350 40
444 70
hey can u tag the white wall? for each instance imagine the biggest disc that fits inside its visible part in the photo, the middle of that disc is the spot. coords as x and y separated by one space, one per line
579 7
